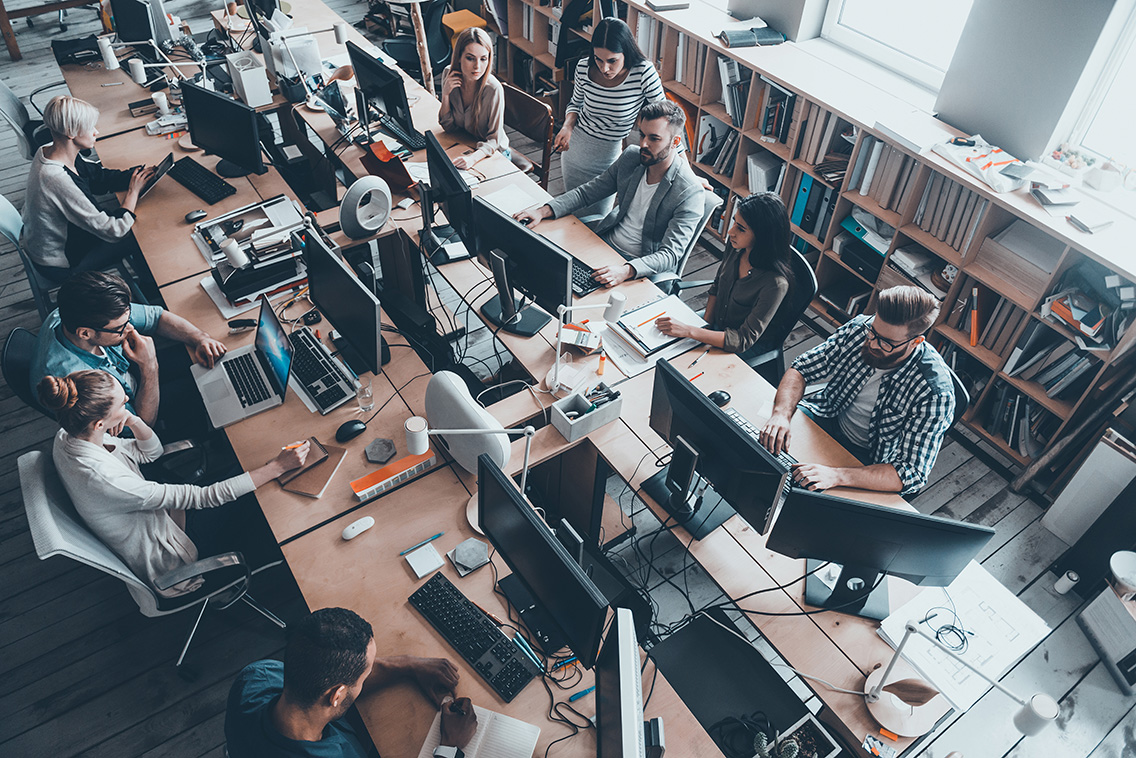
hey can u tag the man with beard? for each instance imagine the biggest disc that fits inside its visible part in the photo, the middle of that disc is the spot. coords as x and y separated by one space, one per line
301 707
889 398
659 201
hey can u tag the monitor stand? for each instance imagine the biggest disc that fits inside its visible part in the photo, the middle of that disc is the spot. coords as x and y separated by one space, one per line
431 238
847 594
713 512
507 313
230 170
544 630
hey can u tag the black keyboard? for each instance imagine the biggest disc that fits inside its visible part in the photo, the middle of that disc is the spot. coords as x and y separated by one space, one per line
323 379
784 458
498 659
201 181
582 281
247 379
412 139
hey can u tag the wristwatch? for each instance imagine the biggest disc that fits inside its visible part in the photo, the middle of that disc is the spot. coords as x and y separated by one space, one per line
448 751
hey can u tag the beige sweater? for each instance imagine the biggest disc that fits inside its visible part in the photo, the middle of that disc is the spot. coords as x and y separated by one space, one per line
489 124
129 513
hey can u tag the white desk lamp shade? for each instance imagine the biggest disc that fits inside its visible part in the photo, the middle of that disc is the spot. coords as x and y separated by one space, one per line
417 436
449 405
340 30
365 207
110 60
1038 713
615 303
137 70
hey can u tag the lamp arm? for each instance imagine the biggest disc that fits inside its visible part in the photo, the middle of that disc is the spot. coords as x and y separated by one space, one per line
911 628
561 312
527 431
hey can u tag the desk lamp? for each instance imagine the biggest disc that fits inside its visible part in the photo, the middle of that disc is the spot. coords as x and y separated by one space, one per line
339 28
613 309
908 720
418 431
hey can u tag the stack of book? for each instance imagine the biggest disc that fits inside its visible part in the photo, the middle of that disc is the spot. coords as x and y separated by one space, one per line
813 206
1045 357
849 296
917 266
690 62
1023 254
637 328
1078 311
885 174
950 212
728 155
833 168
1021 422
712 137
822 135
778 111
765 171
649 35
735 88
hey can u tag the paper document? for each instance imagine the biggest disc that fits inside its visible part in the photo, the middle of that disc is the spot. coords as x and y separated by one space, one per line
497 736
283 213
513 199
632 363
1004 629
638 329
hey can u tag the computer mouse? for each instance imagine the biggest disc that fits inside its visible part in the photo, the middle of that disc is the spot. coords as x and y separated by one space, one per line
350 430
526 221
355 528
720 398
194 216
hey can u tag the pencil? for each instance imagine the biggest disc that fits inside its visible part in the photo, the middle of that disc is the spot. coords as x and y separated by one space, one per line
293 446
651 319
700 373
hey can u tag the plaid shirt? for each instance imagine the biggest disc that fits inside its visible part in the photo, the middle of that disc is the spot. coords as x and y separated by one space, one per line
915 407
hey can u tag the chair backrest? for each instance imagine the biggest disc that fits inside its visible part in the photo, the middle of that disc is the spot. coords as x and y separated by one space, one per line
12 226
437 41
57 529
11 223
533 118
802 292
17 116
962 397
711 203
16 363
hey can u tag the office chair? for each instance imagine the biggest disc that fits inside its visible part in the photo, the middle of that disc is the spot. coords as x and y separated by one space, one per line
962 397
57 529
30 133
670 282
16 363
404 47
532 118
11 226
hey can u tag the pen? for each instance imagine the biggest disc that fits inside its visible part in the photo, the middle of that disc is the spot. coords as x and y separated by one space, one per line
293 446
565 662
700 357
580 694
423 542
663 313
492 618
700 373
528 651
111 84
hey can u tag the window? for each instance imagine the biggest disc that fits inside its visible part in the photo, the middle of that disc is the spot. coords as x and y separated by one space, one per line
915 38
1105 126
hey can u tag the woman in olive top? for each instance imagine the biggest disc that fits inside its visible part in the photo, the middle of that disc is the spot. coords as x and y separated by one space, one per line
472 98
752 281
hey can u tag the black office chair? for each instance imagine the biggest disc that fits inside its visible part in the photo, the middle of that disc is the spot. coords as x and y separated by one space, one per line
404 47
962 397
16 365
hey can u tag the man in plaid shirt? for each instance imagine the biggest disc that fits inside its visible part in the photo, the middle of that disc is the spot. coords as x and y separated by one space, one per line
889 398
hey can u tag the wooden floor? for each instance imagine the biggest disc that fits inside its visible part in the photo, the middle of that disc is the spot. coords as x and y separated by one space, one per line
82 673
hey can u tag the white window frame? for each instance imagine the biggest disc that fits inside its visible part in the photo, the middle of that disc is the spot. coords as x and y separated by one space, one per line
889 57
1125 45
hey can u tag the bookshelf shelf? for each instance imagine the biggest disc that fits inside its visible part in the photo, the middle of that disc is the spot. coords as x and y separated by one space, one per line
891 218
831 254
718 111
809 238
999 443
1058 408
807 168
1002 286
829 313
682 91
988 358
932 243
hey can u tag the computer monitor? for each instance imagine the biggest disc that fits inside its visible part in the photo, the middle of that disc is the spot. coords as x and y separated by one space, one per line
382 85
522 258
744 476
619 692
870 541
132 21
161 22
223 126
330 96
527 545
348 304
448 188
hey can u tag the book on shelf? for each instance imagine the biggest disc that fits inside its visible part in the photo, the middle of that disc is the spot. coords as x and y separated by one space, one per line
808 129
825 143
861 161
847 296
975 224
894 200
801 198
948 211
1091 219
763 168
828 209
1013 323
712 135
1061 383
752 37
963 214
812 207
885 170
832 168
870 168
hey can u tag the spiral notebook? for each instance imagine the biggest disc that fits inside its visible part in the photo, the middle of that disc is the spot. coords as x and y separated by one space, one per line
497 736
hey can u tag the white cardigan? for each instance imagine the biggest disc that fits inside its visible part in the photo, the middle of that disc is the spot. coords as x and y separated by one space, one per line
128 512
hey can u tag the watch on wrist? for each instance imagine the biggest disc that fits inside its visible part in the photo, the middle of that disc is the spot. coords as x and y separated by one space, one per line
448 751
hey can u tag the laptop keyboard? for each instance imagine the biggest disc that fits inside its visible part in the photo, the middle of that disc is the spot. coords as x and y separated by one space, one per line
246 379
322 378
582 281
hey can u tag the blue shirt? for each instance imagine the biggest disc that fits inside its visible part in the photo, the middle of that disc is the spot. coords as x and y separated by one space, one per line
249 732
55 355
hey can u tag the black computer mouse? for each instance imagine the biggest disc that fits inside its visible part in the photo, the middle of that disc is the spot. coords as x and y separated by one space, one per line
350 430
197 215
526 221
720 398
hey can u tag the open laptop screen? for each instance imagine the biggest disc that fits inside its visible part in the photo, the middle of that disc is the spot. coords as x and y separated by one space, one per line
272 342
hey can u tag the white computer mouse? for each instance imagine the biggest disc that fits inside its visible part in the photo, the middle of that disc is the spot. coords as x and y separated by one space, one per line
355 528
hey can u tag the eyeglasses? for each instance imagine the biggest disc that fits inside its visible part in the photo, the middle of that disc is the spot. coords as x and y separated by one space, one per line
119 331
885 344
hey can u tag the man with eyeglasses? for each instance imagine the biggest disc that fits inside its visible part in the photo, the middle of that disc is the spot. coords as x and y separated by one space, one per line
97 327
889 398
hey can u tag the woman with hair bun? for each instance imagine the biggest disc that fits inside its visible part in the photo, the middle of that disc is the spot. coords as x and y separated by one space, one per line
143 522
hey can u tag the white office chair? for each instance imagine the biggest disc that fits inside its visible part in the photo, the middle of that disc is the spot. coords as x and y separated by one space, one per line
30 134
11 226
57 529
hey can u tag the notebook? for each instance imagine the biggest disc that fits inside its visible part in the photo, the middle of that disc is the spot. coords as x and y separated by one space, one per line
497 736
317 454
312 480
637 327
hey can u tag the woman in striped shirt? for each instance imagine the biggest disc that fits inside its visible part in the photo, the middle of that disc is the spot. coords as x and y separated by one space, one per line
608 90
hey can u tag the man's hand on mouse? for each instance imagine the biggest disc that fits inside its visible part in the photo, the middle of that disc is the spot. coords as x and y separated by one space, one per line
534 216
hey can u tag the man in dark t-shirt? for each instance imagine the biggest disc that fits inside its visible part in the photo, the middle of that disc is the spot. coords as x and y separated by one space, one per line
297 709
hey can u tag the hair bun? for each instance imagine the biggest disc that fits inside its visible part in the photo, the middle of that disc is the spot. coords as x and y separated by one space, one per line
58 393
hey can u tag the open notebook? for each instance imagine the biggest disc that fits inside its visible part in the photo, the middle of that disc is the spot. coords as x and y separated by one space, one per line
497 736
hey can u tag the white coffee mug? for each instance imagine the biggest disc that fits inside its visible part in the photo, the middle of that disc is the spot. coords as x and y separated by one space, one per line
234 254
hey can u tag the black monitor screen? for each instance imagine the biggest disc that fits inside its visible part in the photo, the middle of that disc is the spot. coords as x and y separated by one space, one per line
132 20
382 85
922 549
739 468
223 126
533 553
348 304
452 192
272 341
331 97
536 264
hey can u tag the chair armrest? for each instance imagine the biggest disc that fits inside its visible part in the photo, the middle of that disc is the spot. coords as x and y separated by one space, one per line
200 568
178 446
696 283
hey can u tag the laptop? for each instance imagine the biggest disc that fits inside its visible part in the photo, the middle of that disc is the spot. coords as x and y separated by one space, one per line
159 172
251 379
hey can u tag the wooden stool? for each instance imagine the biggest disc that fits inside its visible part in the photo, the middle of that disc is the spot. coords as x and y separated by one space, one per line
455 22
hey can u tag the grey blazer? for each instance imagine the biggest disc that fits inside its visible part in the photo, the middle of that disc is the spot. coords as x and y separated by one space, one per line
672 218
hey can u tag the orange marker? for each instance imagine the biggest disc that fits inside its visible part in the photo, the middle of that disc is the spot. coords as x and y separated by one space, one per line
603 362
318 337
657 315
974 318
700 373
889 735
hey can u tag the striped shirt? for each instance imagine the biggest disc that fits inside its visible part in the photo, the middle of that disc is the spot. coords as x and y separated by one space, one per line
609 113
915 407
